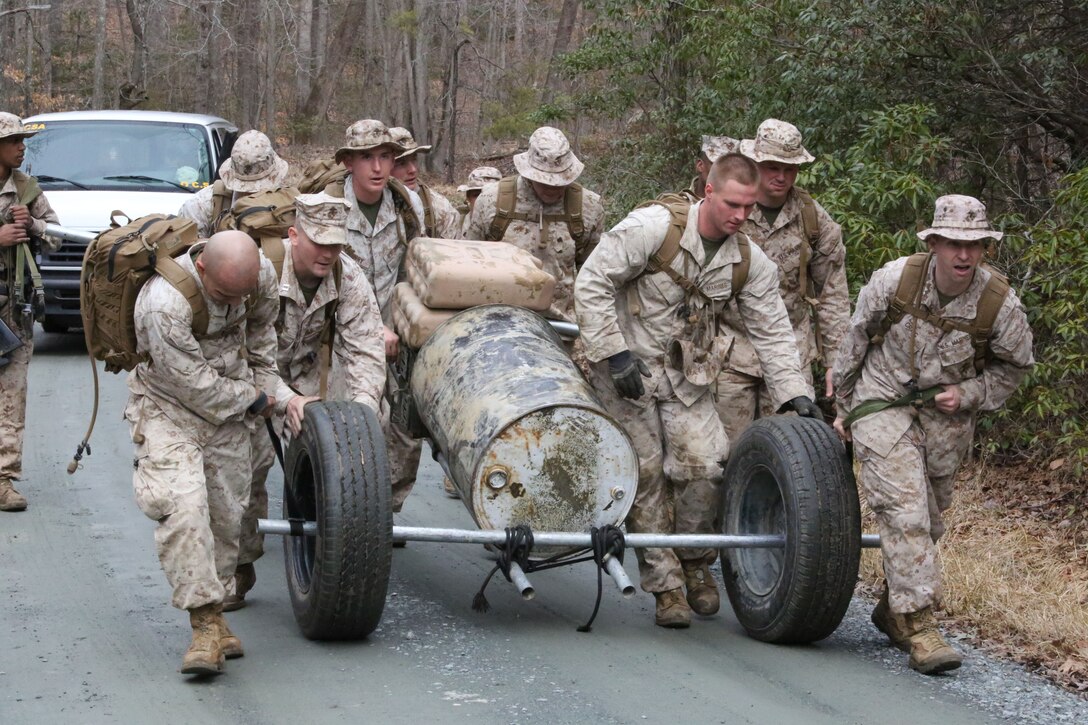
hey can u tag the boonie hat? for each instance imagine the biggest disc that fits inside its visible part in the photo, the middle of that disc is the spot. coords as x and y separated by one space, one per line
956 216
776 141
365 135
717 146
549 159
11 126
480 177
322 217
253 165
403 137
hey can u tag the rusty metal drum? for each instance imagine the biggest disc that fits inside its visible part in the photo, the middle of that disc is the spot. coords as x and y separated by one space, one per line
524 437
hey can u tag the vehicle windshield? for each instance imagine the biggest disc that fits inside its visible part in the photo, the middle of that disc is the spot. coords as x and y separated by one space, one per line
119 155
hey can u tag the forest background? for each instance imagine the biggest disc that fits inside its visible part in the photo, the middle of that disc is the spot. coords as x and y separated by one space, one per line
901 101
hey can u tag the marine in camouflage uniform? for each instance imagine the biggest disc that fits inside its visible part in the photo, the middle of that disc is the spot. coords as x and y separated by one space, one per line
440 217
309 292
24 212
909 455
379 245
480 177
544 173
713 148
638 324
820 312
191 409
253 166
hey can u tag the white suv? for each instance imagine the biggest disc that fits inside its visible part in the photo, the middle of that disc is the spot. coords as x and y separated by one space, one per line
90 163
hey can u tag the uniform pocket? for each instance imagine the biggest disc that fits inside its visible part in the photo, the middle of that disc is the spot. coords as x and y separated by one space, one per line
955 350
153 494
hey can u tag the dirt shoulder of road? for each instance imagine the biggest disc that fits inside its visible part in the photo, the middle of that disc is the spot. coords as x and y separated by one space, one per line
1015 562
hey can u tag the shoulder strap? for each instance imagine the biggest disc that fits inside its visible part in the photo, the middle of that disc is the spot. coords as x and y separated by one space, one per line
678 207
428 210
26 187
168 268
402 201
989 304
221 202
810 221
907 292
328 332
505 203
572 206
272 247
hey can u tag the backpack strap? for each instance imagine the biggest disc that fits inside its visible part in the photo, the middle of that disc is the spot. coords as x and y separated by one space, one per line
222 198
402 202
740 269
328 331
505 204
428 210
27 189
989 304
168 268
810 237
907 293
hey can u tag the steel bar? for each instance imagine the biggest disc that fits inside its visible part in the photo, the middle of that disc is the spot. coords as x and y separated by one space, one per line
566 329
615 570
71 235
572 540
517 577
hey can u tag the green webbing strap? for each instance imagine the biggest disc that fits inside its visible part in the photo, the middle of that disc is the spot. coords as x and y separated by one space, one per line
23 256
917 398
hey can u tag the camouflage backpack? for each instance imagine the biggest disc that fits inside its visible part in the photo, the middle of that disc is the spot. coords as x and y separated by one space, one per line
907 301
116 266
506 211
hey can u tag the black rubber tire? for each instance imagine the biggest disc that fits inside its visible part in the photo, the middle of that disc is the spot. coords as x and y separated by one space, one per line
337 475
791 475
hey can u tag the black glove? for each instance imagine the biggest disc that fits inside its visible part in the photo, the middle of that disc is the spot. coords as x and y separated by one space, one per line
627 372
259 404
804 407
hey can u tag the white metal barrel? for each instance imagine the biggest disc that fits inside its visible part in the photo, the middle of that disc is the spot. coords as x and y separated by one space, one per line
525 438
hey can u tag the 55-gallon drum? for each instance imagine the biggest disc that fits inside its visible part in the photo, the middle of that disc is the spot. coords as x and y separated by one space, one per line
525 439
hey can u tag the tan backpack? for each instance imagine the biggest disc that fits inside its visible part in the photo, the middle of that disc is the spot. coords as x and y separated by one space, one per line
506 211
908 297
117 264
265 216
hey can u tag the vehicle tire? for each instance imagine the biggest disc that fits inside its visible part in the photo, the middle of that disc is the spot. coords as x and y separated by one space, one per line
791 475
336 474
52 326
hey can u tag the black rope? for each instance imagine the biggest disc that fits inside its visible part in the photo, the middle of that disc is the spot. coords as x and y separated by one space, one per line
605 541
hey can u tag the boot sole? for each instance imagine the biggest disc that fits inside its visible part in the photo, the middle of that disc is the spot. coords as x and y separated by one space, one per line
673 625
936 668
233 604
233 654
202 668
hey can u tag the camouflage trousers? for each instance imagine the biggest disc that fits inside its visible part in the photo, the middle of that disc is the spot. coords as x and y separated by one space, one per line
908 491
192 478
13 400
403 452
680 450
741 399
251 545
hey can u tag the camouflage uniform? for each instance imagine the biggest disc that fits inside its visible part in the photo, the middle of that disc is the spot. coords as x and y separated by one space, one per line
357 347
187 412
676 432
478 178
549 160
253 166
742 392
444 221
909 457
379 250
13 375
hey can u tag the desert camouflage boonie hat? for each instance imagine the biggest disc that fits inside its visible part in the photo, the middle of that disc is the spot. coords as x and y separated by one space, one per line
717 146
253 165
960 217
322 217
549 159
480 177
403 137
365 135
776 141
11 126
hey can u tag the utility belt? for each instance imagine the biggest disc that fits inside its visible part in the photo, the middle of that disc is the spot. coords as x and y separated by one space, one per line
914 397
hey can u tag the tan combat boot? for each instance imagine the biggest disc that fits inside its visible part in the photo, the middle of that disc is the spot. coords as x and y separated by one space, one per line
702 589
10 499
244 578
929 652
449 488
890 623
228 641
205 655
672 609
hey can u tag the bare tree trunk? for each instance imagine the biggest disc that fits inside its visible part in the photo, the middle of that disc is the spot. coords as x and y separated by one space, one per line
28 64
136 20
98 93
269 56
320 36
54 28
341 47
421 122
568 14
305 69
451 114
